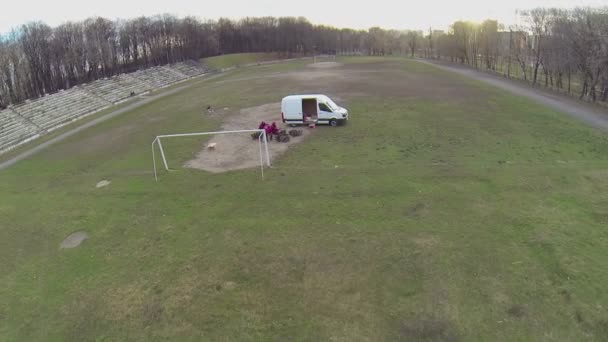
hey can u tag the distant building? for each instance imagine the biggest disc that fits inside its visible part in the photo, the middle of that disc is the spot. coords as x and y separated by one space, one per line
520 40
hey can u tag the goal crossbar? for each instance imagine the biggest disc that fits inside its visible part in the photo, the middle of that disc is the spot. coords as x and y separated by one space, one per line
261 140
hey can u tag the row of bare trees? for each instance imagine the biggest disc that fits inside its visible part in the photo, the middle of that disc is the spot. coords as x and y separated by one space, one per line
36 59
563 49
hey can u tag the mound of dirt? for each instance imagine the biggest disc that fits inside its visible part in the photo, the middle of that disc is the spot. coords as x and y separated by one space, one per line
74 240
325 65
240 151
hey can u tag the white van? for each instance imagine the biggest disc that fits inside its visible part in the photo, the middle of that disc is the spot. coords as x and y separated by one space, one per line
318 109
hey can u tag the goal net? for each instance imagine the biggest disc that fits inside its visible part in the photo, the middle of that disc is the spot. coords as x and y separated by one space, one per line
218 151
324 58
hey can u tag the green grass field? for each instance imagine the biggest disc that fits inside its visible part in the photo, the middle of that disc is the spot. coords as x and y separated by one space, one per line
445 210
237 59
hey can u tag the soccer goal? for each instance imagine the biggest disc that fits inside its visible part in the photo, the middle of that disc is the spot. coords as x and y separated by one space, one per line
324 58
215 147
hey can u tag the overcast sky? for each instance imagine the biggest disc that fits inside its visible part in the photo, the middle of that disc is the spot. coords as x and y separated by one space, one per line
360 14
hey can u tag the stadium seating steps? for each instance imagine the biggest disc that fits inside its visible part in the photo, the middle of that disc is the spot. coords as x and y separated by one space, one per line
27 121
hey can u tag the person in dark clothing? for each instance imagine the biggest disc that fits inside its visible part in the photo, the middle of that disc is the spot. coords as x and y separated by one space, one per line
274 129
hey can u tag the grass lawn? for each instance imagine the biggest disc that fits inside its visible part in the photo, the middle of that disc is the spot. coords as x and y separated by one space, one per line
48 136
517 73
445 210
236 59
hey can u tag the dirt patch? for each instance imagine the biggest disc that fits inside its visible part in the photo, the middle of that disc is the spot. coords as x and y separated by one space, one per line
332 76
388 78
74 240
415 210
229 285
428 330
425 240
240 151
325 65
152 313
102 184
516 310
130 301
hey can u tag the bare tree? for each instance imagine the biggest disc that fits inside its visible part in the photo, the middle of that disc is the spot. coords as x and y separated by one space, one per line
538 22
413 38
489 43
562 46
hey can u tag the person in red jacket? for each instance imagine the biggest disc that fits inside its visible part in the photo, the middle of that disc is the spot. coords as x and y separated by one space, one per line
268 130
274 129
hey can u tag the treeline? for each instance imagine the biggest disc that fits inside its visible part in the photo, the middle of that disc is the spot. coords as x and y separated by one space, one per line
564 49
36 59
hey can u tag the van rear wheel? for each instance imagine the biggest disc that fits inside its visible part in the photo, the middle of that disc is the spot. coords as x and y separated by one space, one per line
333 123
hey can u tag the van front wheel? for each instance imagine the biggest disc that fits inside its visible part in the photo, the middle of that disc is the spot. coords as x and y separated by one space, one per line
333 123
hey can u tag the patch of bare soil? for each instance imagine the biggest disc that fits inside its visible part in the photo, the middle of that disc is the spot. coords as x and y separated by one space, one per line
428 330
380 79
240 151
425 240
517 311
332 76
74 240
325 65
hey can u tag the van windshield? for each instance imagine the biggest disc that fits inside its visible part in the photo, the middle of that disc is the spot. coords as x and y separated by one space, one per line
332 105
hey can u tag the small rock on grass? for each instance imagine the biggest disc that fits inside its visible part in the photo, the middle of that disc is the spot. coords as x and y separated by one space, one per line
74 240
103 183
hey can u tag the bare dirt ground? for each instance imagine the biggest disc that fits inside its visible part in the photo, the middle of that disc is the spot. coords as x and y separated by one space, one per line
240 151
595 117
325 65
353 80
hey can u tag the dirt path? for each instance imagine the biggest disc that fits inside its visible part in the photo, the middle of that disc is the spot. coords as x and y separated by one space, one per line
589 114
34 150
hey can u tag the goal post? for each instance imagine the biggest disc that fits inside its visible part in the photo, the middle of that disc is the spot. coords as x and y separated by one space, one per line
324 58
262 141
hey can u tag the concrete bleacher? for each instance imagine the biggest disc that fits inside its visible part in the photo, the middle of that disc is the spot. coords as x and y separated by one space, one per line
106 88
28 120
189 68
121 87
159 77
132 84
14 130
117 88
53 111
